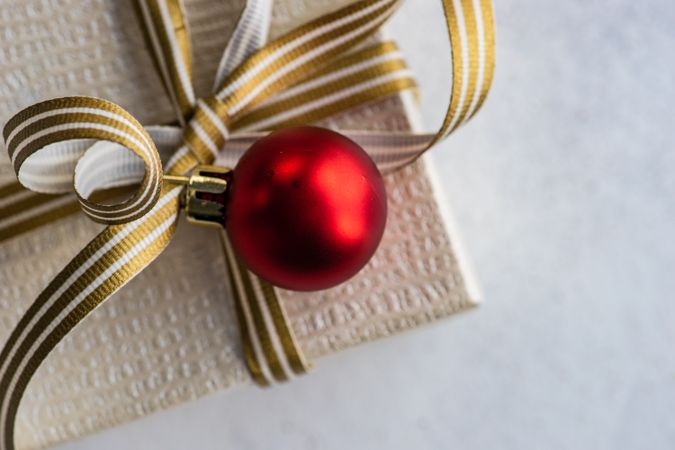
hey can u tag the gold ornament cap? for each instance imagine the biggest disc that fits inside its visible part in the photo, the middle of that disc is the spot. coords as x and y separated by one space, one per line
205 195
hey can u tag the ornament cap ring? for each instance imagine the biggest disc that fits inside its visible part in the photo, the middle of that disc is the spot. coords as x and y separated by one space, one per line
205 196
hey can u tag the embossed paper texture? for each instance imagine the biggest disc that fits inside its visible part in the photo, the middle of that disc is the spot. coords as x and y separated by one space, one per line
171 335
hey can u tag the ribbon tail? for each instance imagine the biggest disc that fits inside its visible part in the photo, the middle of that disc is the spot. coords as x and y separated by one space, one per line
470 26
271 350
106 264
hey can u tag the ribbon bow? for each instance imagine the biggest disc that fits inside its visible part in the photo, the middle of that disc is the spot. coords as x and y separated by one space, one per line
310 73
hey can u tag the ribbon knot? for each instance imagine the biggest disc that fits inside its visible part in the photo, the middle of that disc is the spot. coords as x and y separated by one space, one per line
206 133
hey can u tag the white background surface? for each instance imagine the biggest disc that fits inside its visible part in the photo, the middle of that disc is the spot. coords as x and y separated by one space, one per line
564 190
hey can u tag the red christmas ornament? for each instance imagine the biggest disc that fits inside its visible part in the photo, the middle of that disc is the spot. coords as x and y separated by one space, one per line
306 209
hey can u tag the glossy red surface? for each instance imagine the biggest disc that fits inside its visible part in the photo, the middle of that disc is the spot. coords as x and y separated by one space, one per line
307 208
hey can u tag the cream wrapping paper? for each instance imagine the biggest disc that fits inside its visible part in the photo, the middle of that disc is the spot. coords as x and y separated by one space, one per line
171 335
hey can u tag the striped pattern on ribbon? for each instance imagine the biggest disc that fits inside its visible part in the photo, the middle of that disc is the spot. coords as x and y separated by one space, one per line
357 78
166 32
251 35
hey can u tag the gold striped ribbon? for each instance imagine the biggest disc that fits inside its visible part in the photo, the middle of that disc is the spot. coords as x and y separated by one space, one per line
167 35
283 83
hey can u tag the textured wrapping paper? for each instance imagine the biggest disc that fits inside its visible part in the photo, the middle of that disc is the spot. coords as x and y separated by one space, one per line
171 335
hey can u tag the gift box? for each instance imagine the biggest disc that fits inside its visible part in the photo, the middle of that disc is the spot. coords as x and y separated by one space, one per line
172 334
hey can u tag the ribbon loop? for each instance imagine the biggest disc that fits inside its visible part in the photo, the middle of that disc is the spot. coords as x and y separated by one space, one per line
250 35
48 140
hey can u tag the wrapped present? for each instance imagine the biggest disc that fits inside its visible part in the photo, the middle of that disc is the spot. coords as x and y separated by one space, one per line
178 326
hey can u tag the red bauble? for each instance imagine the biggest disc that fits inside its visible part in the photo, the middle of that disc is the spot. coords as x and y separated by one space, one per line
307 208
